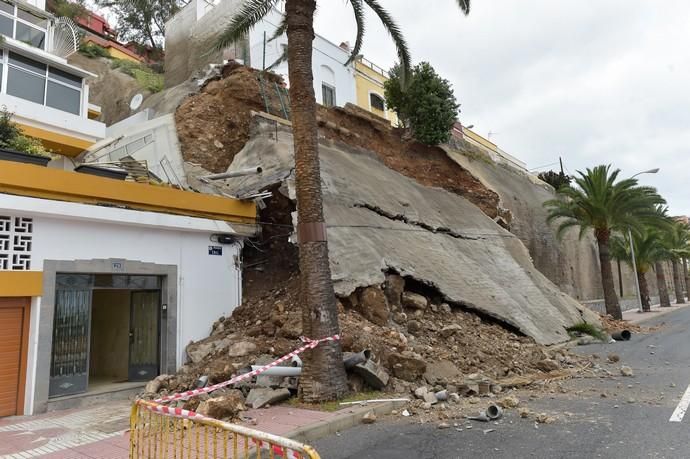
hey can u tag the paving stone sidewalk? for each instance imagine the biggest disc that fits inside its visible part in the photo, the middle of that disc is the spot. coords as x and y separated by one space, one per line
102 432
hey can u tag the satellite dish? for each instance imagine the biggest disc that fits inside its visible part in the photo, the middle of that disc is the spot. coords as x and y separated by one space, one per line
136 102
64 38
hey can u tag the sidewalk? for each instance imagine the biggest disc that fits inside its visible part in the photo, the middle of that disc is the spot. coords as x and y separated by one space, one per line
101 432
635 317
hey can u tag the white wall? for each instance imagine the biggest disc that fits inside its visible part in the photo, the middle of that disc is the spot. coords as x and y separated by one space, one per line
325 54
208 286
37 3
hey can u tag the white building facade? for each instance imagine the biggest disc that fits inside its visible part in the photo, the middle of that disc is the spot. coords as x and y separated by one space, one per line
48 97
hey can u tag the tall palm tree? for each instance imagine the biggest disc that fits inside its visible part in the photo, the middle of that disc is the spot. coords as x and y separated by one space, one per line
600 202
648 251
323 376
677 242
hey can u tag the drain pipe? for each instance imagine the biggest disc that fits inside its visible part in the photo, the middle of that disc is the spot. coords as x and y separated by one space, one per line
227 175
623 335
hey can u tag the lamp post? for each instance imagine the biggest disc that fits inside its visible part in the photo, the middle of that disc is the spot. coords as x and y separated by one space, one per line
632 250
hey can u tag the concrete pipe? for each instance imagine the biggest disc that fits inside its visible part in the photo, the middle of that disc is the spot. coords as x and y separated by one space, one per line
623 335
494 412
350 359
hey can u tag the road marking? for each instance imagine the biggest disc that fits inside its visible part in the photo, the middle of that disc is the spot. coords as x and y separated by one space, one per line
682 407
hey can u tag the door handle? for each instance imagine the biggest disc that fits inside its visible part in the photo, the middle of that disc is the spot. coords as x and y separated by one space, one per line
131 337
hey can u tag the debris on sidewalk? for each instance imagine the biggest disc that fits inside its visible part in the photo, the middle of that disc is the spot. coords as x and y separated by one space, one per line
369 418
626 371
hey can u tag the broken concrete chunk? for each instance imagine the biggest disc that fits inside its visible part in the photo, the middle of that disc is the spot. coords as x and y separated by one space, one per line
442 372
199 351
430 398
224 407
414 301
373 374
414 327
613 358
241 349
259 397
420 392
510 401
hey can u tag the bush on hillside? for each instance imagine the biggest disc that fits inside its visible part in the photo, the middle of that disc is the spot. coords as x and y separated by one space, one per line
146 76
425 104
555 179
92 50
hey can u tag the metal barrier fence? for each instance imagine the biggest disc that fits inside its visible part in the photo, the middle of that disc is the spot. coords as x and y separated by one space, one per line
154 435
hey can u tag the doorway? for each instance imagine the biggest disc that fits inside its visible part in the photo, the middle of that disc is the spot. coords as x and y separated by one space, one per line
14 340
107 331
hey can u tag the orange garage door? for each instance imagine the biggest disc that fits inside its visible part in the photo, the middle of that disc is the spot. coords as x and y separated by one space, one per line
14 331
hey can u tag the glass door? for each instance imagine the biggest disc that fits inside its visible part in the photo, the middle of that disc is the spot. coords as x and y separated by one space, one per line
144 335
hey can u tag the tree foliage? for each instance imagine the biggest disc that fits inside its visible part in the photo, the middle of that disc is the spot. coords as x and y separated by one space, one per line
72 9
143 21
425 103
555 179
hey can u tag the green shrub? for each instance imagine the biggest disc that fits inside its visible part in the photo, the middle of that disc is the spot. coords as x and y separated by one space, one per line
92 50
11 137
145 75
587 329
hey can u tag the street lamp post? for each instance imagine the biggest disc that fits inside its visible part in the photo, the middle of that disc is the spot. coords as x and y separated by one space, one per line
632 250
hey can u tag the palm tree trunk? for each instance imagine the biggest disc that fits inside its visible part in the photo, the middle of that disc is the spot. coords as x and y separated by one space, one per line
644 292
661 285
685 277
323 374
680 299
613 308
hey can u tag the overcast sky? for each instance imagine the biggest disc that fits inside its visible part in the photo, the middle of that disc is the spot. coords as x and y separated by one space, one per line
592 81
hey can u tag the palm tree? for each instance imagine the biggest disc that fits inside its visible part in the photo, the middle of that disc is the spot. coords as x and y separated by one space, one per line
677 242
323 375
599 202
648 252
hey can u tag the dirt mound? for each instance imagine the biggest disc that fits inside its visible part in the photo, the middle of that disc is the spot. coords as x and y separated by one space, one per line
612 325
213 125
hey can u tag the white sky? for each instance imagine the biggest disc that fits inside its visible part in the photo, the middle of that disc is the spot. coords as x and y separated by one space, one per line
592 81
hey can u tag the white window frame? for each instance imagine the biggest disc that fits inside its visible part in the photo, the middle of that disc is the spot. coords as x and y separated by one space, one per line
15 18
385 105
5 75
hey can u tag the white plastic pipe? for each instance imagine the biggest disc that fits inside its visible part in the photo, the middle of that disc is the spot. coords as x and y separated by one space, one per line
279 371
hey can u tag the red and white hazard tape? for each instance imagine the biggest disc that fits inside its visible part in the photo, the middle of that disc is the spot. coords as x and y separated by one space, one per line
310 344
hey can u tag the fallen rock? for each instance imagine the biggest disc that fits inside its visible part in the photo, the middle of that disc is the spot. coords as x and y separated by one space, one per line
430 397
543 418
510 401
626 371
369 418
414 327
199 351
445 308
524 412
393 289
414 301
613 358
441 372
399 318
450 330
444 425
261 396
420 392
548 365
224 407
242 348
154 386
374 306
407 365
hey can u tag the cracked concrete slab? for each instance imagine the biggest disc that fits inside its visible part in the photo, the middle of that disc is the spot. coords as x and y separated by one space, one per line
380 220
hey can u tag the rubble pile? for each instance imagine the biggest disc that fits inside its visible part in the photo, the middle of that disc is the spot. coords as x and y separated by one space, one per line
612 325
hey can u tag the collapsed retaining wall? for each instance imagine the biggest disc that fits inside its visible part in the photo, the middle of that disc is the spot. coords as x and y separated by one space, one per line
379 220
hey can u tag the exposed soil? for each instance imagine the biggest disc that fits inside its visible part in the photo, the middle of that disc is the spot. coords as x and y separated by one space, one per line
213 125
426 164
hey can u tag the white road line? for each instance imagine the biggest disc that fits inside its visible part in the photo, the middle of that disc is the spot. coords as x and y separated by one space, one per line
682 407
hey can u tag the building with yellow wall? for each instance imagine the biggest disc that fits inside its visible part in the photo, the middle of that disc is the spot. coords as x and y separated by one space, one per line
369 80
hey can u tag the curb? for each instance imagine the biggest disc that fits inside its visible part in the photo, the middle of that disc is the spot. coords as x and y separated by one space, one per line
657 312
351 418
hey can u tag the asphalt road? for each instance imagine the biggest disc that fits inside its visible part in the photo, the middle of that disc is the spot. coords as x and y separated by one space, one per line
632 421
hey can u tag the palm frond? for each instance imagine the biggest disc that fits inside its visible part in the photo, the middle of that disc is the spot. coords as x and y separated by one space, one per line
251 12
396 34
358 8
283 58
464 6
282 29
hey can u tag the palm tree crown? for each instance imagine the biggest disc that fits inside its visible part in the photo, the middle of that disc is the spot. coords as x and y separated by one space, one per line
599 202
